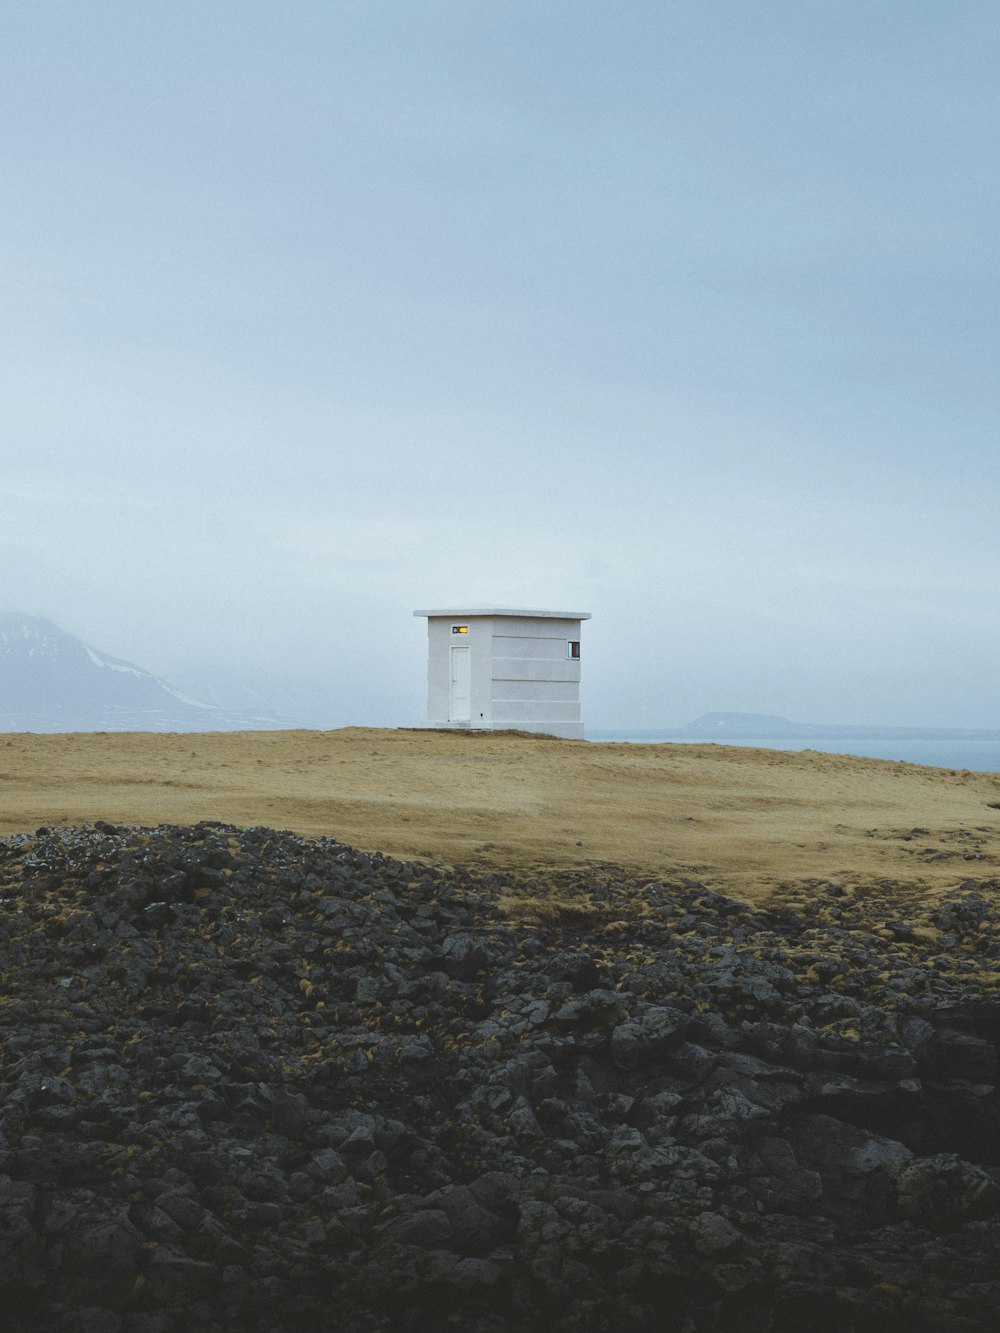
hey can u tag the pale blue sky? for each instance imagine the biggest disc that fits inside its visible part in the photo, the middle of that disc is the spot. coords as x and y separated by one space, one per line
681 313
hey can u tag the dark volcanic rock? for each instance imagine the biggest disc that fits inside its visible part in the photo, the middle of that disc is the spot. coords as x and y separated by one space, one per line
257 1081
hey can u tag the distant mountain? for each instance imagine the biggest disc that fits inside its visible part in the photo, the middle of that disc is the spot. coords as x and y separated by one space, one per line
768 727
51 681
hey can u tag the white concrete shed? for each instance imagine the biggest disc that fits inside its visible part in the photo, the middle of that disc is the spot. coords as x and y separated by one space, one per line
489 669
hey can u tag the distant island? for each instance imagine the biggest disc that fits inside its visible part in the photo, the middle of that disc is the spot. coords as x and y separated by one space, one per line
770 727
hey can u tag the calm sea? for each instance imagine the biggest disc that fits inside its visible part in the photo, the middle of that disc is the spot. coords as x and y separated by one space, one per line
982 756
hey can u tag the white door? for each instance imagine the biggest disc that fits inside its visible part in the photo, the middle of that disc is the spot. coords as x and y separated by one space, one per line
460 697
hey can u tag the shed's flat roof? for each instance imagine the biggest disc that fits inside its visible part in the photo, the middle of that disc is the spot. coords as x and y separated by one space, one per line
509 611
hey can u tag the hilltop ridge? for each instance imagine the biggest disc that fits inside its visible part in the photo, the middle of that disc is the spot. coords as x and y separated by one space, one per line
747 820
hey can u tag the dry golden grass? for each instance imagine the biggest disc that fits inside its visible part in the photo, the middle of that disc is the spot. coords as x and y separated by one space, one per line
744 820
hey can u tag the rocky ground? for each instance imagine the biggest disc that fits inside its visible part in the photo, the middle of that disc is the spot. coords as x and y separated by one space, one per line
251 1080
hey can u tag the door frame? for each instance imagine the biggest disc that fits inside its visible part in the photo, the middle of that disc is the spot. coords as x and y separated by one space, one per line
463 663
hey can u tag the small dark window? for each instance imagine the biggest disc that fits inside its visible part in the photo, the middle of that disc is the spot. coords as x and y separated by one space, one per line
573 648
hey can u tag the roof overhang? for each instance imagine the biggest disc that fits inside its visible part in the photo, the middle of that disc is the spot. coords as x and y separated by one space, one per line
519 611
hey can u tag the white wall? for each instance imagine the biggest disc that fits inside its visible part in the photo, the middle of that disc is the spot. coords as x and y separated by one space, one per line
440 642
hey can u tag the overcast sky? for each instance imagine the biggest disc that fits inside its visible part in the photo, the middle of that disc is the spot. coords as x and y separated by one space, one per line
684 314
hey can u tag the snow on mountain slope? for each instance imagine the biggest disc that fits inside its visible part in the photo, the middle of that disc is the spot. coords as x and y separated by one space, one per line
52 681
